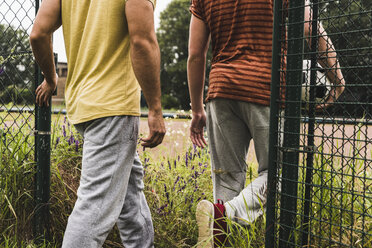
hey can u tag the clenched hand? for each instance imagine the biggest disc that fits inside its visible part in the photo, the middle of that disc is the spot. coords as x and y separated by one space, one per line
44 91
157 130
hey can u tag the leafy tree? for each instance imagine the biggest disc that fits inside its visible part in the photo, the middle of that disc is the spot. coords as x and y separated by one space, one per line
16 63
173 36
349 24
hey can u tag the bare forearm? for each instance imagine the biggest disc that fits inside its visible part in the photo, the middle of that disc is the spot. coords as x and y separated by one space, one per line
42 49
326 51
46 22
328 59
146 65
196 74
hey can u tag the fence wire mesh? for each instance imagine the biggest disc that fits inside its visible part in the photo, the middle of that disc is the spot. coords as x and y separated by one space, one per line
17 118
322 155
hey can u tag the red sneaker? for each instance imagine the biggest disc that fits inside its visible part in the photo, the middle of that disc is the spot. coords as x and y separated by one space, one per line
211 223
220 225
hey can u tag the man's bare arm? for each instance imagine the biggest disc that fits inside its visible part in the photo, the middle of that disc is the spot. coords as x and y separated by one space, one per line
47 21
327 57
145 56
198 47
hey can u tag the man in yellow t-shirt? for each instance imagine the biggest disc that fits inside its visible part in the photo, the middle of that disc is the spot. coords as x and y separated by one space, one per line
112 51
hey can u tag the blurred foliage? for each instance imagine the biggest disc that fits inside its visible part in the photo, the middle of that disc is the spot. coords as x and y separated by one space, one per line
173 37
16 95
16 60
349 25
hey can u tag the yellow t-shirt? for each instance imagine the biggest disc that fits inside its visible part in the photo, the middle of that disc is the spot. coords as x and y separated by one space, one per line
100 80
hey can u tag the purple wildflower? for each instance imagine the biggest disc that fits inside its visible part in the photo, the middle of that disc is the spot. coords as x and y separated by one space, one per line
160 210
1 70
178 178
76 145
71 140
57 142
175 183
64 130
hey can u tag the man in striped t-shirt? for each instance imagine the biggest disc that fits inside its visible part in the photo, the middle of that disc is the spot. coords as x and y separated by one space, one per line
238 100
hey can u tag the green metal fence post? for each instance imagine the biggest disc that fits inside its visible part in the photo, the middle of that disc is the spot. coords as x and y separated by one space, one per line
311 125
292 123
273 138
42 177
42 157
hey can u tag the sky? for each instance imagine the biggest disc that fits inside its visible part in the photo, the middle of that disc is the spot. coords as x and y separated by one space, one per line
58 44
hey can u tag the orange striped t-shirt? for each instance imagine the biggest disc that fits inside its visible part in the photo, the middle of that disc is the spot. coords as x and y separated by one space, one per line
241 34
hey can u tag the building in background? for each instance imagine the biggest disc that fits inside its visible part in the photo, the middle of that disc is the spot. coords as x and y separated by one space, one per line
59 99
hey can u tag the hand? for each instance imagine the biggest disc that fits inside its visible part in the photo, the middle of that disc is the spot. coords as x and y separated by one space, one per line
44 91
333 96
157 129
198 123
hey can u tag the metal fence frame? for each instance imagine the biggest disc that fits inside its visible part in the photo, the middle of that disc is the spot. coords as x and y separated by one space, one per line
294 206
21 13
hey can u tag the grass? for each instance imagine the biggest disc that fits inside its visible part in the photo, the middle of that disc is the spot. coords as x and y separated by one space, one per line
177 176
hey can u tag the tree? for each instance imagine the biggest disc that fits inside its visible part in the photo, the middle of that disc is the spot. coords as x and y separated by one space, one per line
349 24
16 64
173 34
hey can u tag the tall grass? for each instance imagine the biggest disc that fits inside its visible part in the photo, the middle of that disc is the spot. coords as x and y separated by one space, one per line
174 184
16 185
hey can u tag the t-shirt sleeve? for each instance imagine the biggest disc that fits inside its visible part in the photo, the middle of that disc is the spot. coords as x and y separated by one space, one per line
151 1
196 9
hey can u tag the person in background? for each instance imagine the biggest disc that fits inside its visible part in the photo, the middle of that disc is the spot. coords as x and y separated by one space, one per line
237 108
112 52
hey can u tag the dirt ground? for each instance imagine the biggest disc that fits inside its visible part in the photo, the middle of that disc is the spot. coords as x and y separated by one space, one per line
177 139
335 139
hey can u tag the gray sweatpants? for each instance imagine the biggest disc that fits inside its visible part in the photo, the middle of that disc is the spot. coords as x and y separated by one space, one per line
231 125
111 187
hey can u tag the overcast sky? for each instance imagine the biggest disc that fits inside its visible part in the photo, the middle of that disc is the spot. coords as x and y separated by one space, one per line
59 46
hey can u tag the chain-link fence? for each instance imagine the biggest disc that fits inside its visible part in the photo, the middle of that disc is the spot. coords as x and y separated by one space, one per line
321 156
24 128
17 118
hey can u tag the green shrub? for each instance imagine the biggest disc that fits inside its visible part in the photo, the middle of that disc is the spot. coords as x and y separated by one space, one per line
170 102
16 95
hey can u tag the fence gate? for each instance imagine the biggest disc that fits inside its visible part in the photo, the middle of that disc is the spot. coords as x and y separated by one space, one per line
25 128
320 192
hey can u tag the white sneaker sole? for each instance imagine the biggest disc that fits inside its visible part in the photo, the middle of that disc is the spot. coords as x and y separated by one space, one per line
204 218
